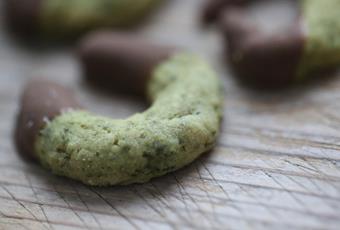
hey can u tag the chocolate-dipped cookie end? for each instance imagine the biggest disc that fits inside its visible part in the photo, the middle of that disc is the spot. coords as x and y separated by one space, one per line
22 16
41 101
260 58
212 9
120 61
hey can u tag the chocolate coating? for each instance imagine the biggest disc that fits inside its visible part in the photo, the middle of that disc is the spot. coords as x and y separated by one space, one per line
23 15
262 58
120 61
41 101
212 8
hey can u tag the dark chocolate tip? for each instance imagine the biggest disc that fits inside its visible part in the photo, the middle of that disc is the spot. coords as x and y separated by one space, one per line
41 102
261 59
22 16
120 62
212 9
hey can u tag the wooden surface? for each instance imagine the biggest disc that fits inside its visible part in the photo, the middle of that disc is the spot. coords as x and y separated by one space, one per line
276 165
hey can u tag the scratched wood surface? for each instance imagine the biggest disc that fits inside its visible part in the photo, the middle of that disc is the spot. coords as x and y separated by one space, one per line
276 164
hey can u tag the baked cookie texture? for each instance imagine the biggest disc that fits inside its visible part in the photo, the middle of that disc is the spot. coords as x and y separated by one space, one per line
62 18
322 29
182 123
68 16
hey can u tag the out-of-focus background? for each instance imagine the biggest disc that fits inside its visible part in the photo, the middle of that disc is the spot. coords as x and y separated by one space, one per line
276 164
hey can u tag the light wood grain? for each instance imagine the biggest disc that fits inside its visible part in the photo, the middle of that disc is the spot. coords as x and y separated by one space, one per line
276 165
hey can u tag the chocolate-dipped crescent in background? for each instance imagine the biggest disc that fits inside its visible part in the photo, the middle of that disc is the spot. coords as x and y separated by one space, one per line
23 16
276 53
67 18
119 61
41 102
212 9
182 123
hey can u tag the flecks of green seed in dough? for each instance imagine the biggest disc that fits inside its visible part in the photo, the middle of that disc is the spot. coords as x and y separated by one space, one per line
182 123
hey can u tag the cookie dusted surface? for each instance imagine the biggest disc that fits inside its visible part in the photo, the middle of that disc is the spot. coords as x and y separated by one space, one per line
182 123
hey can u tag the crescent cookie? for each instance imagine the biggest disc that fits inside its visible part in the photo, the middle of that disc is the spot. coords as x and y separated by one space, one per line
182 123
273 44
